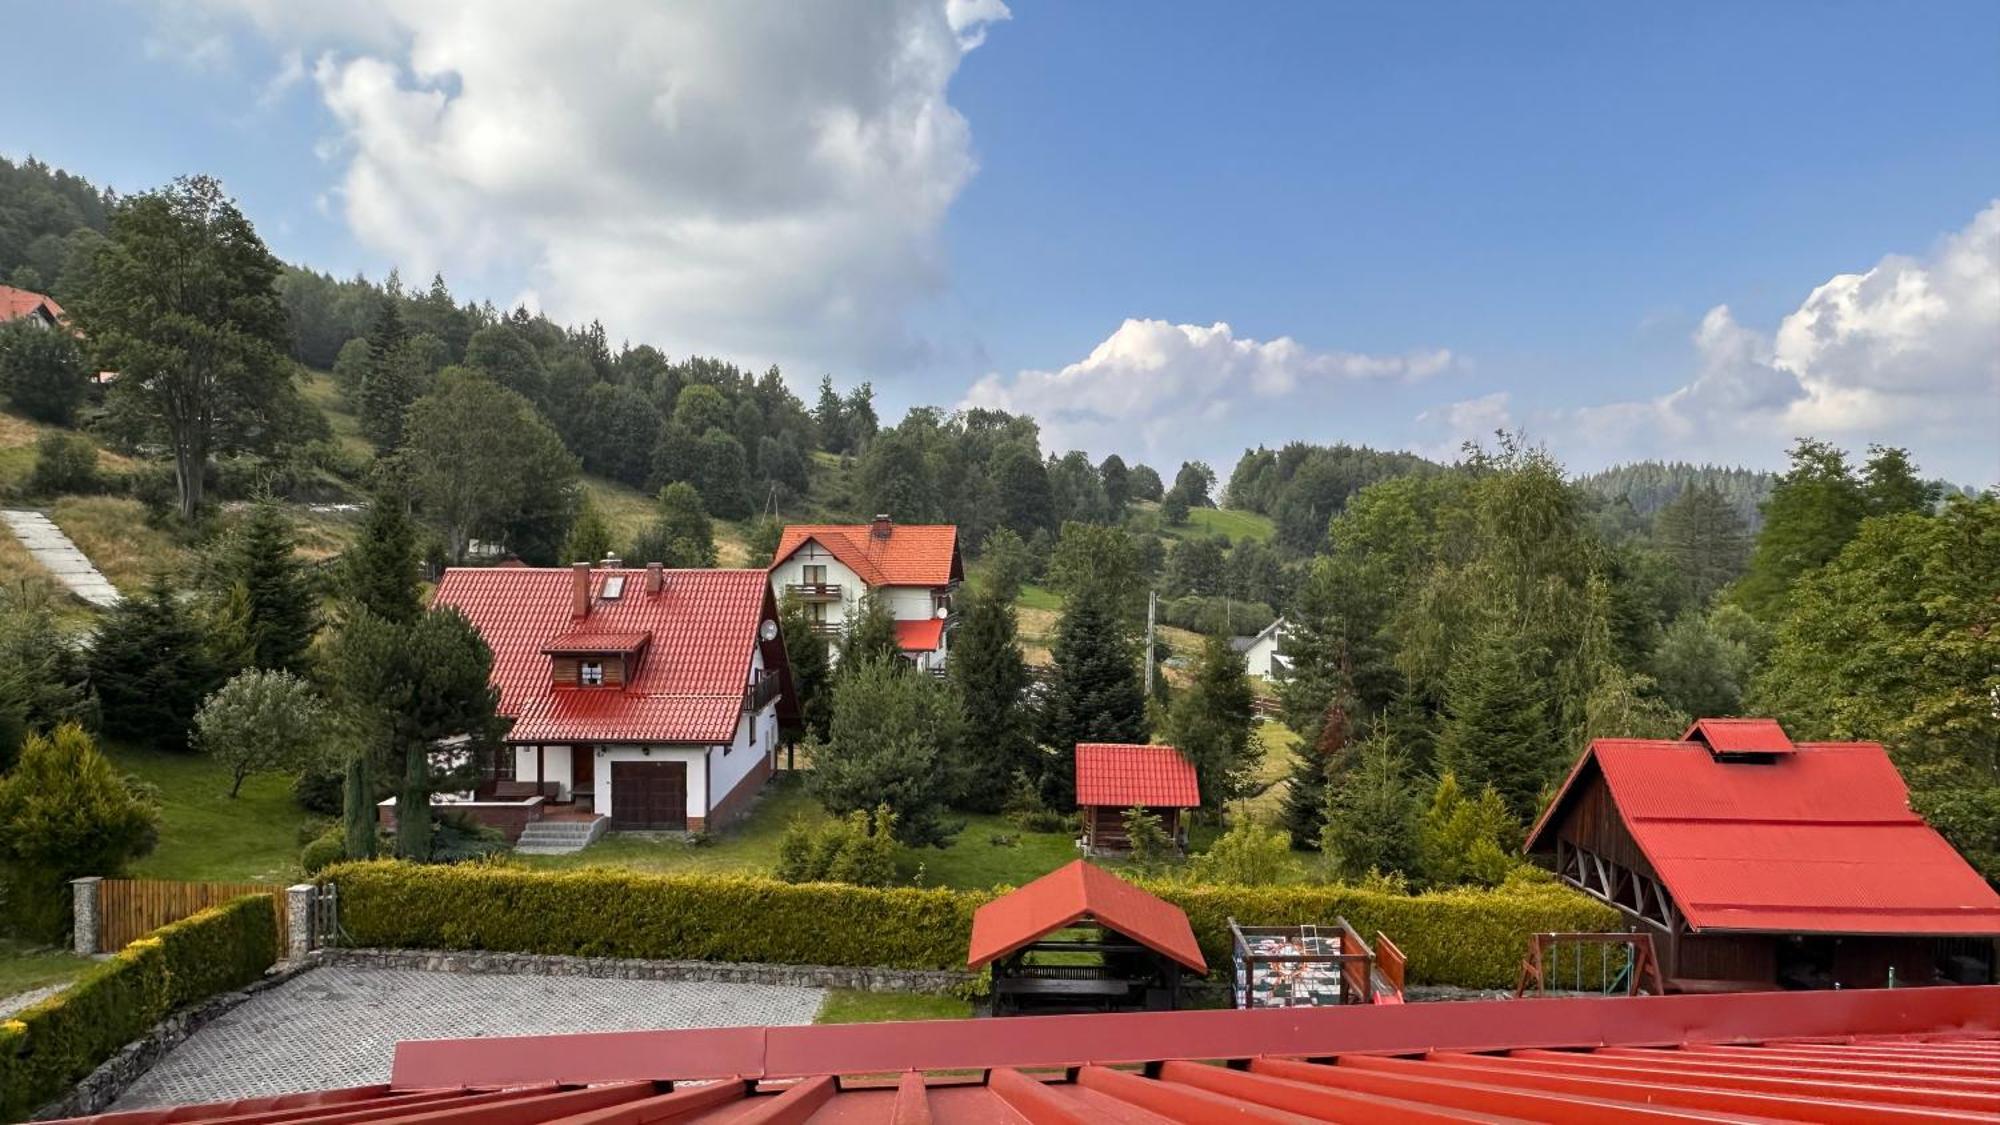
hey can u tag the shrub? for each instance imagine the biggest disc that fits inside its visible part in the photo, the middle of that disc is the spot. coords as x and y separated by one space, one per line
63 463
456 838
1249 855
47 1048
596 912
42 372
325 850
857 849
1146 834
65 813
1470 938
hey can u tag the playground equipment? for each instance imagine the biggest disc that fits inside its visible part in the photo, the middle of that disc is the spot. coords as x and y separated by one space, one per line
1636 972
1312 966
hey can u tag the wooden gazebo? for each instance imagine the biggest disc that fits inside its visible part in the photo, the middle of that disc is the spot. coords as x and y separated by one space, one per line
1080 939
1114 778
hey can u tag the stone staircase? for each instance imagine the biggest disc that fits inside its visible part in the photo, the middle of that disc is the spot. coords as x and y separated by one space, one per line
561 837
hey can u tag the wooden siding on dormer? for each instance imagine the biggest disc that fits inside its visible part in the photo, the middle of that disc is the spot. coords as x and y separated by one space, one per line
565 670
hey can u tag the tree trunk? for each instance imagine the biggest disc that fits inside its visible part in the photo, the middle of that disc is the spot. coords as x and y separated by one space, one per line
187 475
237 786
413 806
358 808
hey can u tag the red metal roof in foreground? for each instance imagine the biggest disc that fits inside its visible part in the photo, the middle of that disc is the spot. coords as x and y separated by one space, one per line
1069 894
1916 1055
1817 841
1121 776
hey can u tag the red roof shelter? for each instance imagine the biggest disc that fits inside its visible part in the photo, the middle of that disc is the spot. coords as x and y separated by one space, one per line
1754 860
1907 1055
1112 778
1142 941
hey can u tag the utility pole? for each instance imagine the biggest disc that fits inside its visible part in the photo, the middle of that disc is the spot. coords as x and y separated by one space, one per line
1152 602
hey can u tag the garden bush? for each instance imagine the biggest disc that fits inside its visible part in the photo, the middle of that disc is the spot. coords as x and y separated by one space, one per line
64 463
1470 938
49 1047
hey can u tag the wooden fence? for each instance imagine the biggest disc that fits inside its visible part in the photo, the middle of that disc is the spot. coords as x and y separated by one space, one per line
129 909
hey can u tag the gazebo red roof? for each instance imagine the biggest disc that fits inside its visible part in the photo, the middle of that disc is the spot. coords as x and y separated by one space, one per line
1820 839
1123 776
1928 1054
1070 894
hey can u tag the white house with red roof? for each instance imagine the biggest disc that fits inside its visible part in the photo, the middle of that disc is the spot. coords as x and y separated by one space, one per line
640 698
912 569
37 309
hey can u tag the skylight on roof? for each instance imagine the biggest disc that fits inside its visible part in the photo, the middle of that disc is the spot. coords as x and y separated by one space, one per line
614 587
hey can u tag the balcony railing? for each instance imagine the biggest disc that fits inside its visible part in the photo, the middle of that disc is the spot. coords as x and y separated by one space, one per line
827 628
815 591
760 694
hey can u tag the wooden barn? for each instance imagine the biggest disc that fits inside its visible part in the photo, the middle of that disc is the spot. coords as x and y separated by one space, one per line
1757 863
1113 778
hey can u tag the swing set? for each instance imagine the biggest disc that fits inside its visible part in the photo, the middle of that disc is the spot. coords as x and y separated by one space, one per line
1635 972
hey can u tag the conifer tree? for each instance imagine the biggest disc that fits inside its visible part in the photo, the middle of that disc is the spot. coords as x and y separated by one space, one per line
812 674
379 572
1372 814
991 678
151 670
1810 516
65 813
870 634
589 537
1313 767
1095 693
1708 543
1210 723
1497 729
283 606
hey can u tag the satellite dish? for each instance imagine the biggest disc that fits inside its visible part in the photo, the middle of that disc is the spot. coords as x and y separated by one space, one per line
943 612
768 630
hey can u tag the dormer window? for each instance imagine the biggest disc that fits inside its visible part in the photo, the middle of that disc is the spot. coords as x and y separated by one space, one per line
614 588
590 673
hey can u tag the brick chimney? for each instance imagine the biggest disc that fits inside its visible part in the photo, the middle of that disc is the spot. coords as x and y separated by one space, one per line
656 579
881 527
579 589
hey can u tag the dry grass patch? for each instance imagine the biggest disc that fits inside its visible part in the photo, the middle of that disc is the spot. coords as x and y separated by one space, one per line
114 533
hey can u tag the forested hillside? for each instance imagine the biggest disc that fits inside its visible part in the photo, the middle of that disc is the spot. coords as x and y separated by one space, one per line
1479 621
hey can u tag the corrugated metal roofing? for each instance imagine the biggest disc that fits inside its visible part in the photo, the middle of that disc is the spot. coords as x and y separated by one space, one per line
688 687
1915 1055
1122 776
1818 841
909 555
1070 894
919 636
1740 736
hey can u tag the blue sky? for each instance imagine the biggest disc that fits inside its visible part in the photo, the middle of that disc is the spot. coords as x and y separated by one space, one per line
1671 230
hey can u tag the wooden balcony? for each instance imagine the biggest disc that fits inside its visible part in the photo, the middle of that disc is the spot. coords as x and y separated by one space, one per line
815 591
759 695
827 628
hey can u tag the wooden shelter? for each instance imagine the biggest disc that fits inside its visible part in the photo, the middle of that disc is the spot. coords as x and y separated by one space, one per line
1757 863
1080 939
1114 778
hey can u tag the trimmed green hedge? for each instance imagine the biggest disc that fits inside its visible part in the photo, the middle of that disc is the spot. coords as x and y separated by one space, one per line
1471 938
595 912
47 1049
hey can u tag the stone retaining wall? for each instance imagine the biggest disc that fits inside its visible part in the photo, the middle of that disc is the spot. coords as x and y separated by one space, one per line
617 968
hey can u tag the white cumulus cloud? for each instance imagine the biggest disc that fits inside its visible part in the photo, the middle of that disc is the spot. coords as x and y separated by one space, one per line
757 179
1151 386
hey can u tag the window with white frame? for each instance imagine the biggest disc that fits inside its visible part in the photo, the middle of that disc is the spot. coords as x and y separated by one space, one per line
590 673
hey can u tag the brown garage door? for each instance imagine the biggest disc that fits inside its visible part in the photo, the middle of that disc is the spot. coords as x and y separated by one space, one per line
649 795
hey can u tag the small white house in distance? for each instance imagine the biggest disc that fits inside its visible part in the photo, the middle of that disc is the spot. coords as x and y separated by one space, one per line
1260 653
912 569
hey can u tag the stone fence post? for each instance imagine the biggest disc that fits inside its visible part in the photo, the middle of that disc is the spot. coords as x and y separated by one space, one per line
84 914
301 902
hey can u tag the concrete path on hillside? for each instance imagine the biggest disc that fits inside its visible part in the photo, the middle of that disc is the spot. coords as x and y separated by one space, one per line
50 547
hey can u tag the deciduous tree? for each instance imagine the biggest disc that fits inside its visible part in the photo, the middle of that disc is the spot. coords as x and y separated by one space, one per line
262 722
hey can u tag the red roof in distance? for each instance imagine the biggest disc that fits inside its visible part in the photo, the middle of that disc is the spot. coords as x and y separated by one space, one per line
907 555
1070 894
1820 840
688 686
924 635
17 303
1123 776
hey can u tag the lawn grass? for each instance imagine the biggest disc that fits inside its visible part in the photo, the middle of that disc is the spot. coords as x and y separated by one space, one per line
25 966
848 1005
974 860
204 834
748 847
1039 597
1266 801
112 531
320 389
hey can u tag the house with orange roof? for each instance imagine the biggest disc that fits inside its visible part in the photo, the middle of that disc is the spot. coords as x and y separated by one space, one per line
645 699
37 309
912 569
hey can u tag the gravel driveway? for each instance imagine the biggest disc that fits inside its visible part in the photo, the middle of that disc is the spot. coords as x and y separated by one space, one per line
338 1026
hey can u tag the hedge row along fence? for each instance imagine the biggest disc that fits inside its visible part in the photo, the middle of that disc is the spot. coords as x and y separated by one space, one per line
1470 938
50 1047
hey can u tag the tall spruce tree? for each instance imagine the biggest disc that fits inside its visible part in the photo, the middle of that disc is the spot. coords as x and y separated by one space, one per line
1811 514
284 609
1705 538
1210 723
1095 694
1497 730
812 673
991 677
151 670
379 572
1373 814
1314 766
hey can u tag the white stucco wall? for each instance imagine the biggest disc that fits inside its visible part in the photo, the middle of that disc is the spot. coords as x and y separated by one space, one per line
555 767
907 603
792 572
1261 659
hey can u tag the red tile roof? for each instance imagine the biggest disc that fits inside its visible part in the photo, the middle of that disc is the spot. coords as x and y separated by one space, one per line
1817 841
1122 776
688 686
590 639
919 636
17 303
910 555
1069 894
1905 1055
